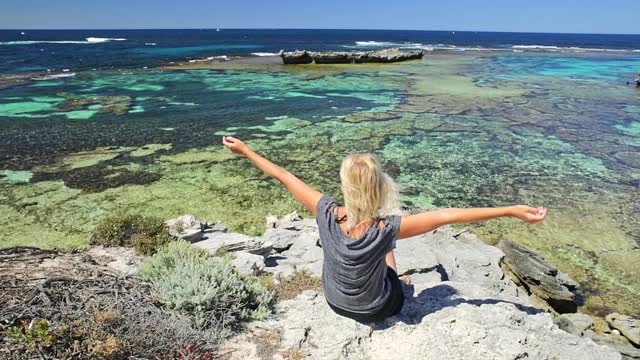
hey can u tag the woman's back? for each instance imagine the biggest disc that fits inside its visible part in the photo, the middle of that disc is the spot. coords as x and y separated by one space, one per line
354 275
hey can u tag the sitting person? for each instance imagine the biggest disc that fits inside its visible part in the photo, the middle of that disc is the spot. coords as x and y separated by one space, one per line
359 275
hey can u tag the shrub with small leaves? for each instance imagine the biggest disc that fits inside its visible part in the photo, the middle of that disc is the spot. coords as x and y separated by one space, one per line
32 335
209 288
145 233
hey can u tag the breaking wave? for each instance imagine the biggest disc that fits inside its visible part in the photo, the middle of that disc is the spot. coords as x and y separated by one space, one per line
89 40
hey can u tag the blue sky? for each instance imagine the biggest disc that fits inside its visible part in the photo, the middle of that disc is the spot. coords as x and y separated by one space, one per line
580 16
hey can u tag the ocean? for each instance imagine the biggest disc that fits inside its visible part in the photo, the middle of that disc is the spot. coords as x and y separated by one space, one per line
34 50
100 122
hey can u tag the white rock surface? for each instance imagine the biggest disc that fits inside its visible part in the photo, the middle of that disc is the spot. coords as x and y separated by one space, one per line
234 242
247 263
121 259
460 306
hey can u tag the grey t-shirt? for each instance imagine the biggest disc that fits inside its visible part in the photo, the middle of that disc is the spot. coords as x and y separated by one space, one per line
354 270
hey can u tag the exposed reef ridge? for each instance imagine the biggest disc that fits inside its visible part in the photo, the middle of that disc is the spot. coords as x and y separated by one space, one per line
347 57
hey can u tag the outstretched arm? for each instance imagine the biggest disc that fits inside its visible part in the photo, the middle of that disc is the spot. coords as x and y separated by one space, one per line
417 224
301 191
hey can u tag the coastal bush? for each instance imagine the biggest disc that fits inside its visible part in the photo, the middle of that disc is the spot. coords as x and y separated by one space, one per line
209 288
144 233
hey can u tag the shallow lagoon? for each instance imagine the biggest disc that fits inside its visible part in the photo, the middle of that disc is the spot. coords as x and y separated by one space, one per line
453 130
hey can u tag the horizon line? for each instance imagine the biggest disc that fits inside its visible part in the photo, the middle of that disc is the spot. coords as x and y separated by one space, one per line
293 28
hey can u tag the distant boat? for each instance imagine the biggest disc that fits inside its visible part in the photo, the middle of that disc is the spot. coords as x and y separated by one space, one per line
22 33
217 29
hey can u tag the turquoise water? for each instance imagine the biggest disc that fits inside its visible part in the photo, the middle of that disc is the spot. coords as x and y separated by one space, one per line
454 130
569 67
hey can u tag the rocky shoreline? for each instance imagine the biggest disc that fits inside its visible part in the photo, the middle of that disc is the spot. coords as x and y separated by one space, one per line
467 299
345 57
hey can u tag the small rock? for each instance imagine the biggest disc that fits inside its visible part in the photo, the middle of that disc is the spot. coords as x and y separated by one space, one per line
308 295
566 325
628 326
187 227
235 242
248 264
582 322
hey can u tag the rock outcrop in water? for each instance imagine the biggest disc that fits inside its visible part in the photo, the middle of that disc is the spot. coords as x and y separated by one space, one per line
345 57
541 279
296 57
460 305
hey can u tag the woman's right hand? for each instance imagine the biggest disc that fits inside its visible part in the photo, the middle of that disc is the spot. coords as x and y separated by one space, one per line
235 145
528 213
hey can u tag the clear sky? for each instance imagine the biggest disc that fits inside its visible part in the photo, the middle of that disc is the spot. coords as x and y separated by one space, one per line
579 16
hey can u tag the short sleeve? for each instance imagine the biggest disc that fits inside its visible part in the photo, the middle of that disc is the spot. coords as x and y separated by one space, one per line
392 228
323 209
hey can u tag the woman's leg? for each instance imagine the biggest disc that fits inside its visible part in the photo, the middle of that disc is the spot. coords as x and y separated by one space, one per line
391 262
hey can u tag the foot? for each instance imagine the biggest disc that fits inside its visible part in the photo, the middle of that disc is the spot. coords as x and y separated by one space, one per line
406 279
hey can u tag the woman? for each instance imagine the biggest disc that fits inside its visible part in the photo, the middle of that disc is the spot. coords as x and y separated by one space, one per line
359 271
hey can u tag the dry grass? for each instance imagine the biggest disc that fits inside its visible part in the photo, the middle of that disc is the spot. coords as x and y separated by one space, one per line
293 285
292 354
267 344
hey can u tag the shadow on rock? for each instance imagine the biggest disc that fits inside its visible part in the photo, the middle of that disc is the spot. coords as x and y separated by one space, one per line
435 299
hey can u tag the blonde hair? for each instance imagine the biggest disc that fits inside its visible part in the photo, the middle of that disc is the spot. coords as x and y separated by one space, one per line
369 193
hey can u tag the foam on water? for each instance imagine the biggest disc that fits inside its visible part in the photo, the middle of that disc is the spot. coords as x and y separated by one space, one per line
89 40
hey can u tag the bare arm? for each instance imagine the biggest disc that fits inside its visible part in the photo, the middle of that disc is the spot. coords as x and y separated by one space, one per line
298 188
417 224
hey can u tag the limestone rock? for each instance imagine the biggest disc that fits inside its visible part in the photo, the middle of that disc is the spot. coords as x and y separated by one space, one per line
460 306
121 259
582 322
190 228
297 245
343 57
296 57
627 351
288 230
416 256
538 276
628 326
333 57
247 263
447 327
389 55
566 325
234 242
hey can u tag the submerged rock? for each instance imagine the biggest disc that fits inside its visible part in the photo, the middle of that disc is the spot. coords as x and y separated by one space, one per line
543 280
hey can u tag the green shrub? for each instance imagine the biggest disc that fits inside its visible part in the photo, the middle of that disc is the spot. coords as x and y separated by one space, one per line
148 245
145 233
209 288
33 335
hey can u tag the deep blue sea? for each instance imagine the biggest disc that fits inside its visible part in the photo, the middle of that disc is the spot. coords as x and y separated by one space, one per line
37 50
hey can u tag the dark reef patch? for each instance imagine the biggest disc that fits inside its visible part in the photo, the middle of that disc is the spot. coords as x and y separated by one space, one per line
98 178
